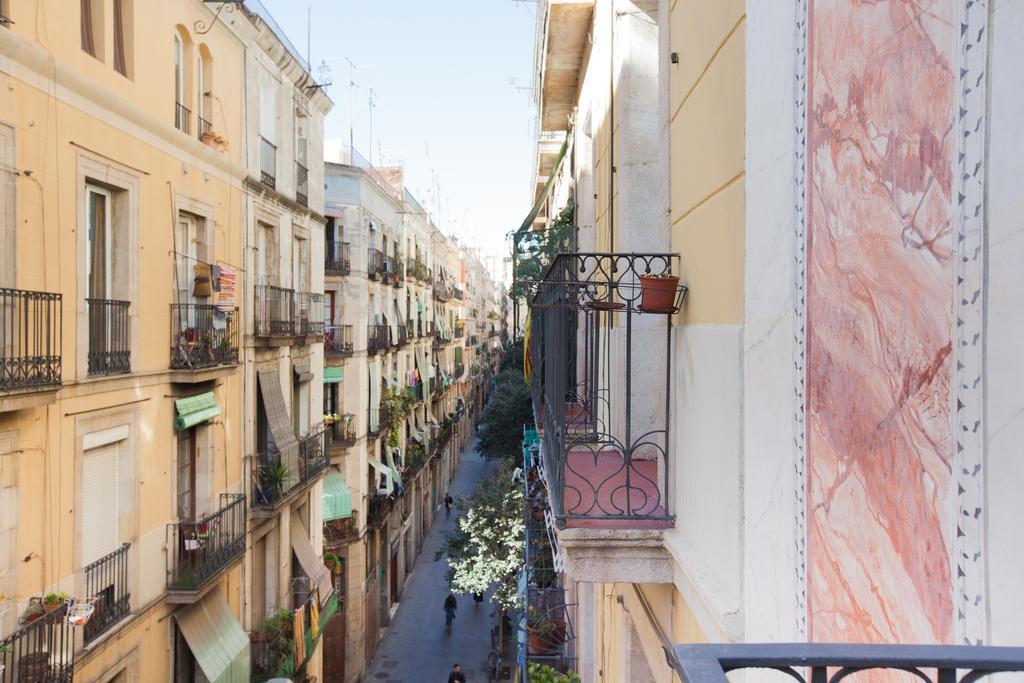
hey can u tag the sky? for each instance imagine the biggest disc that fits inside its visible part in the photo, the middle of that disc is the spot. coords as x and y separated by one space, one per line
452 103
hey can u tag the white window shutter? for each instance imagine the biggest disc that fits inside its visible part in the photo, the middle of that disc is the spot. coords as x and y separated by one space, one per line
99 503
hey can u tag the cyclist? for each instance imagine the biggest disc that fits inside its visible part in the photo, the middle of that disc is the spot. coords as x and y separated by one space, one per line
450 605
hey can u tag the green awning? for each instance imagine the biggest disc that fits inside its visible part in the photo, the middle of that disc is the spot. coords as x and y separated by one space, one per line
216 639
337 496
332 375
194 410
547 188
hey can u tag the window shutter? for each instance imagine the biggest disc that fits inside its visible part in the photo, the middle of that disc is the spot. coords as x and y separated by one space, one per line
99 503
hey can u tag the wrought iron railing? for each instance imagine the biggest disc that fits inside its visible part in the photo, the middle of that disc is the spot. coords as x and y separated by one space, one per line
268 163
403 334
301 184
378 338
309 314
343 432
277 475
814 662
374 263
197 551
606 437
338 532
338 258
202 336
106 579
182 117
30 339
460 330
378 509
204 127
109 337
460 370
42 650
442 292
458 294
338 340
275 308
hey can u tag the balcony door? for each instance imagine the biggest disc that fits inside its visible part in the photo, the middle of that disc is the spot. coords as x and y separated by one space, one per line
100 243
186 492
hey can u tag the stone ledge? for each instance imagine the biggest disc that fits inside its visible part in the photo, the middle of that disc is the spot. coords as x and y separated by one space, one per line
616 555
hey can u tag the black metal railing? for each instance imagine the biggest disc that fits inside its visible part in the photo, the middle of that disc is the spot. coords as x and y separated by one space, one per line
43 650
814 662
378 338
338 340
458 294
182 117
460 370
338 258
109 337
276 476
106 579
275 307
460 330
30 339
204 127
378 509
309 314
268 163
301 184
197 551
374 263
203 336
403 334
442 292
343 432
605 445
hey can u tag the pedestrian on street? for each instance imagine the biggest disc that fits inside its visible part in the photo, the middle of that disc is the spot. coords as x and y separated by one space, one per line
450 605
448 501
456 676
478 597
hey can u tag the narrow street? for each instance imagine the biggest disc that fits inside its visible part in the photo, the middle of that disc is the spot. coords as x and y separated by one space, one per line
416 647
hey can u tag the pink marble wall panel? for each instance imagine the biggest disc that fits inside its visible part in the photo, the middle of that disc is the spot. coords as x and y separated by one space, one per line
879 319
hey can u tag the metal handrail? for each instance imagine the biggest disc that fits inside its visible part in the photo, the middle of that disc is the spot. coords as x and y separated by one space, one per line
109 331
199 550
203 335
31 332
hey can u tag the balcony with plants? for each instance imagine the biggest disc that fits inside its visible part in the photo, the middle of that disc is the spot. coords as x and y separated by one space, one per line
338 341
30 341
278 476
377 339
200 550
42 648
375 260
341 430
203 336
273 649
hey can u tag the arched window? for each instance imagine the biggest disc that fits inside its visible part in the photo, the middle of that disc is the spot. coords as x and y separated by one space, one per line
204 91
182 80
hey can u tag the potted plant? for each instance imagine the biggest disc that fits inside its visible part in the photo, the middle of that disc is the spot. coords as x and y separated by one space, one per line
33 611
545 635
658 293
52 601
215 140
542 673
274 478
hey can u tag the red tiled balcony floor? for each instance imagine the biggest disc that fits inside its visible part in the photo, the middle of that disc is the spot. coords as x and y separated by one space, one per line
595 489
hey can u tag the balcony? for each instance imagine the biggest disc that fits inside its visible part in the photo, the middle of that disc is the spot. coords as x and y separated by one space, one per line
341 433
338 258
42 650
601 401
199 551
460 330
109 337
403 334
458 294
396 271
379 508
340 532
277 477
375 264
268 163
338 341
275 308
182 117
301 184
203 336
205 127
30 340
309 314
815 662
378 338
106 579
380 414
460 370
415 391
442 292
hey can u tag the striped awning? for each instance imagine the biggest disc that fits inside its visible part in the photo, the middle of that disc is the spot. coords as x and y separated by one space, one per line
337 496
216 639
312 565
332 375
194 410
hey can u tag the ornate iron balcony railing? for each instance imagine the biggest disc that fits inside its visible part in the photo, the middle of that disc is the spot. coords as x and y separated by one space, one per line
203 336
197 551
275 308
301 184
268 163
338 258
42 650
275 479
826 663
106 579
309 314
109 332
601 389
30 339
338 340
182 117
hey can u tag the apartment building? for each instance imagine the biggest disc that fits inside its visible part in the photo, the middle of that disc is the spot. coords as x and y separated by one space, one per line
120 391
814 445
394 377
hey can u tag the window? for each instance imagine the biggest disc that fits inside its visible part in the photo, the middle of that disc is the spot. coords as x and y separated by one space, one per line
122 36
301 137
185 668
186 491
100 243
99 503
181 112
92 27
300 264
204 87
266 256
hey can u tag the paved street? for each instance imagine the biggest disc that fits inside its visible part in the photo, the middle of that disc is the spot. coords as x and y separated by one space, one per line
416 648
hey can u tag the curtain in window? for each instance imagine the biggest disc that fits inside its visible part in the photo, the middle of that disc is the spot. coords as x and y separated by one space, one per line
119 60
98 246
87 38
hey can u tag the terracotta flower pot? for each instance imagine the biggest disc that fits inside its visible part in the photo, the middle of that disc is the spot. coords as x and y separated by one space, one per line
658 293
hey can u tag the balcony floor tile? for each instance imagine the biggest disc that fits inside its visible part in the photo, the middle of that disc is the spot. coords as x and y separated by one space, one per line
595 490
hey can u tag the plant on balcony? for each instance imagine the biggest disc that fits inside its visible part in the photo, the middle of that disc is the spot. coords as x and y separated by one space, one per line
545 635
658 293
485 548
542 673
537 249
33 611
272 646
52 601
395 408
273 480
215 140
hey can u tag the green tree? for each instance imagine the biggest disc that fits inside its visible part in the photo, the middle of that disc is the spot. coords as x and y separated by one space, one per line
485 548
509 410
536 249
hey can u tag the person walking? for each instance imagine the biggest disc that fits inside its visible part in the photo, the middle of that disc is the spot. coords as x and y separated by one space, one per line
450 605
448 502
456 676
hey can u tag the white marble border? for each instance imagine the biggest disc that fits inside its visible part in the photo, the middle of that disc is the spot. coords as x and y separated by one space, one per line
968 568
799 321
